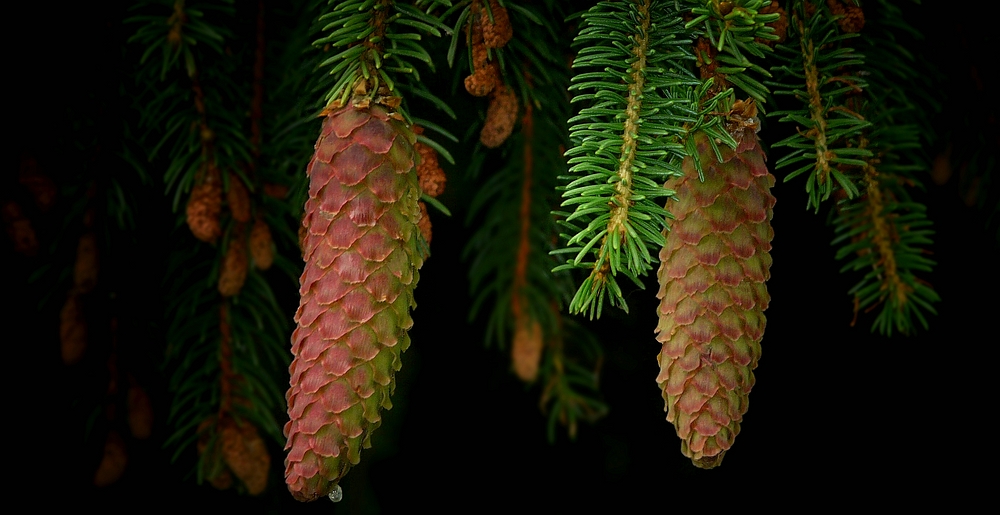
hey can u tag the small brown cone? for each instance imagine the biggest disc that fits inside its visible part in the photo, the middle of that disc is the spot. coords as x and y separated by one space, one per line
234 265
429 172
484 81
113 462
86 265
424 224
261 245
780 25
140 412
238 199
853 17
245 453
485 74
500 118
526 352
19 229
205 206
497 33
72 330
42 189
213 467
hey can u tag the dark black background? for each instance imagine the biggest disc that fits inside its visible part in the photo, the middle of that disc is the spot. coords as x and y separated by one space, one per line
837 413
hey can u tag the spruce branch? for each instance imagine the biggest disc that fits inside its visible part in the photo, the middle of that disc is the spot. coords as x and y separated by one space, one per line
733 30
882 233
828 130
886 233
373 40
627 140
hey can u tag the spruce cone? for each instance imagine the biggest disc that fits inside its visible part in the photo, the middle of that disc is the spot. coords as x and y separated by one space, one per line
85 267
113 461
238 199
780 25
19 229
484 81
234 265
429 172
526 353
712 295
245 453
213 467
204 207
485 74
72 329
424 224
42 188
497 33
853 17
140 412
356 290
261 245
500 118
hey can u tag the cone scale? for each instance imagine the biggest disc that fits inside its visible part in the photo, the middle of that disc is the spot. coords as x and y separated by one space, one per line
712 294
361 261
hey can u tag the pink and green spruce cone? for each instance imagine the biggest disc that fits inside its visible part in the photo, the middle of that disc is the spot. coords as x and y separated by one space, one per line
712 295
360 249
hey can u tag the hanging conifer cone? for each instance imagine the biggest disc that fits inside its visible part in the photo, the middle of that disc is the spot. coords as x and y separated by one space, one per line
497 33
239 199
86 265
235 264
204 207
261 245
361 256
500 117
20 230
424 224
526 352
712 294
72 329
213 467
245 453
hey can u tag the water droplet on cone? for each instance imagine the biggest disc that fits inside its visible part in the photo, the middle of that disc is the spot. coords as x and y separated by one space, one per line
336 494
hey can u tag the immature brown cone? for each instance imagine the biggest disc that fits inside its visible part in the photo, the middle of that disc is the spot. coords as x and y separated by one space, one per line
484 81
19 229
429 172
42 189
780 25
714 265
234 265
424 224
485 75
497 33
86 265
213 466
140 412
205 206
261 245
526 351
72 330
500 117
245 453
853 17
113 461
238 199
